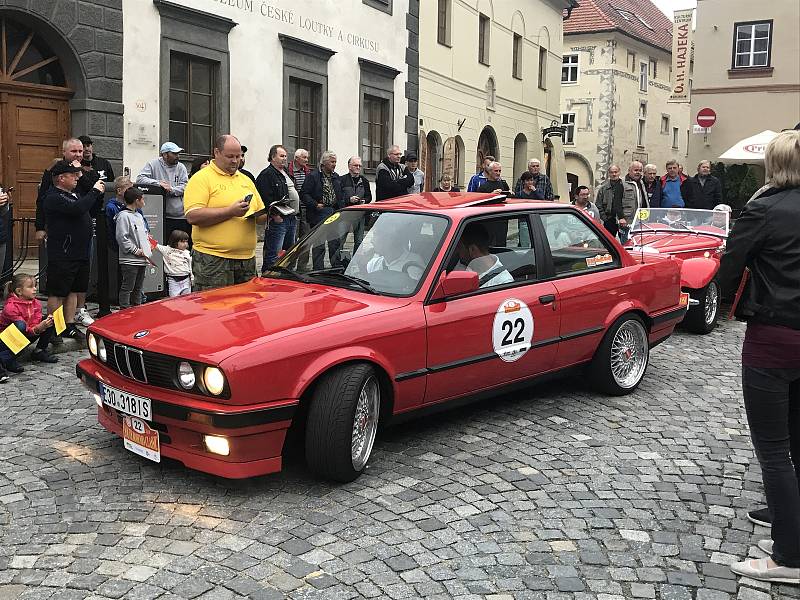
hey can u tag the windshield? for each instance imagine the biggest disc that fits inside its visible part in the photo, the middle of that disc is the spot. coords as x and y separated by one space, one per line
380 252
715 222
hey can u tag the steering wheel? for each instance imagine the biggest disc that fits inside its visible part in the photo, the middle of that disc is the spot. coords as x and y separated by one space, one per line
409 265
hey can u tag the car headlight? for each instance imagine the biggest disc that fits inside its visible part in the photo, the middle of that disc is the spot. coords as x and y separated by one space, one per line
214 380
92 342
101 350
186 375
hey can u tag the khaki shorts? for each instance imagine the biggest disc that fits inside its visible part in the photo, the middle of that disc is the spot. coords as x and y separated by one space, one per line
214 271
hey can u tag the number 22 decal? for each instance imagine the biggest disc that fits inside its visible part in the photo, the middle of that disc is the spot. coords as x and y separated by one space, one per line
512 330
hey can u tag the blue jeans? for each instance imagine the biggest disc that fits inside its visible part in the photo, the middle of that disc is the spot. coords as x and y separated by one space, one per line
772 402
279 236
7 356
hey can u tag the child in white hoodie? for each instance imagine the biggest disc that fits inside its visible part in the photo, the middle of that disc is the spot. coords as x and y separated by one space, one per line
177 263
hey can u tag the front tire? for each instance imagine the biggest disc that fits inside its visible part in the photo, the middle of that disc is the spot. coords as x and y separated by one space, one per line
702 318
620 362
342 422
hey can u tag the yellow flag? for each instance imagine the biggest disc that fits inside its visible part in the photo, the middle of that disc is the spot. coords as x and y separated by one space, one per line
58 319
14 339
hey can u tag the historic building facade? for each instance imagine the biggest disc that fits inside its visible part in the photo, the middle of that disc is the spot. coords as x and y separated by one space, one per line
746 69
61 74
317 74
615 87
489 85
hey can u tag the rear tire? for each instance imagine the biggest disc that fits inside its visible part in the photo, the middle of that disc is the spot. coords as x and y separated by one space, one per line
703 317
342 422
620 361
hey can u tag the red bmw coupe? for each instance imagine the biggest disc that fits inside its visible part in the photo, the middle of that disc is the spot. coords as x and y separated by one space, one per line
383 310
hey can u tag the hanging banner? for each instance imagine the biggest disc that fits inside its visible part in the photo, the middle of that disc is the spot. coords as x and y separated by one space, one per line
681 55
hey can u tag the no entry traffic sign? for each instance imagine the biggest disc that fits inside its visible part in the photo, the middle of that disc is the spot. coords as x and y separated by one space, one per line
706 117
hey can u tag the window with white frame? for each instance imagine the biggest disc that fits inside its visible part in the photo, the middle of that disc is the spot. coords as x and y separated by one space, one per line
642 124
569 68
568 121
665 124
653 68
675 134
752 44
631 61
643 76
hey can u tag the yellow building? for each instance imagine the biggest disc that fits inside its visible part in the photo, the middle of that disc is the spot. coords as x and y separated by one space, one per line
488 85
615 87
746 69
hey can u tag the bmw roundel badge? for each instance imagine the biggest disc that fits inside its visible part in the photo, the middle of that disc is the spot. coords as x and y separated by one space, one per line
140 334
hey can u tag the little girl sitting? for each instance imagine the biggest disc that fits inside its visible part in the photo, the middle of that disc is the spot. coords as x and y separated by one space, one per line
25 311
177 263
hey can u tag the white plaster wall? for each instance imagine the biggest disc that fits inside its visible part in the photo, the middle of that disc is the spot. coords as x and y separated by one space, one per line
256 69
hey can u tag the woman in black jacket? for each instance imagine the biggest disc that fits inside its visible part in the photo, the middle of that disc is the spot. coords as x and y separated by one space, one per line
766 241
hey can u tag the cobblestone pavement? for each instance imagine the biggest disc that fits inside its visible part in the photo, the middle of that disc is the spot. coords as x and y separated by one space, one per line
553 493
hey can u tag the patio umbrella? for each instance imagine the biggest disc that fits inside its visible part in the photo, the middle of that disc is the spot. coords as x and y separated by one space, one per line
750 149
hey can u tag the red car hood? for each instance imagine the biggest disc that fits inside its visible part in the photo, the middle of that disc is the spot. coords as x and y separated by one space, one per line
213 325
674 242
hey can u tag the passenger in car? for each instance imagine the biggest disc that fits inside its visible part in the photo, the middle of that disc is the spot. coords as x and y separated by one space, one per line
474 255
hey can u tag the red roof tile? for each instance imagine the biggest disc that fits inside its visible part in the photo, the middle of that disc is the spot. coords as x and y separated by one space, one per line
647 23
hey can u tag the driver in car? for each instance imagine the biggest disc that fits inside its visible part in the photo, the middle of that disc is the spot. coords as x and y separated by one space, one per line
673 218
392 253
474 255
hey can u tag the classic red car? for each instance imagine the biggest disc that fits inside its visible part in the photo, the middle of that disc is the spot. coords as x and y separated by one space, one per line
695 237
383 310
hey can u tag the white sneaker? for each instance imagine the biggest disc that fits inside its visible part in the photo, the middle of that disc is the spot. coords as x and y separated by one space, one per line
83 318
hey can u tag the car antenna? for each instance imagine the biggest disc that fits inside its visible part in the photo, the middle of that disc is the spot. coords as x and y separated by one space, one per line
643 214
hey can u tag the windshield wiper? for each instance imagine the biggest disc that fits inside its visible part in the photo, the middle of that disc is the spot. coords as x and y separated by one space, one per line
287 271
338 273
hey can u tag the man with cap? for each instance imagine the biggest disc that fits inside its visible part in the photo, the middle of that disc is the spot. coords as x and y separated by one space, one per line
244 171
69 236
412 163
171 175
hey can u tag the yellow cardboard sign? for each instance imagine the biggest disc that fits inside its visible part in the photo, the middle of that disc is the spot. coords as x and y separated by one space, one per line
14 339
58 320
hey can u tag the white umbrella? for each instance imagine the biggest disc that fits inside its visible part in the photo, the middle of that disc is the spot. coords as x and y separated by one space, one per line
749 149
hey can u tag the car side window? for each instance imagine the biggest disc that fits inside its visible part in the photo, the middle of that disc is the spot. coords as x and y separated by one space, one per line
499 250
574 246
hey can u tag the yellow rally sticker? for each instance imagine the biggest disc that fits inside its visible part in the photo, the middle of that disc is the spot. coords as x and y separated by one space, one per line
332 218
600 259
644 214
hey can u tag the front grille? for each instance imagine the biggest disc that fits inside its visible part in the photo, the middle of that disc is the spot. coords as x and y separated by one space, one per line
140 365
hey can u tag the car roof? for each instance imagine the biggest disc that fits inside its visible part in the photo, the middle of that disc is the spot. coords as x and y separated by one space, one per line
449 201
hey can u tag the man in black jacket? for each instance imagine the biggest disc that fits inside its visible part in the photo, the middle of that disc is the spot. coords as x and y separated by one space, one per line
392 179
275 185
69 236
103 168
322 196
703 190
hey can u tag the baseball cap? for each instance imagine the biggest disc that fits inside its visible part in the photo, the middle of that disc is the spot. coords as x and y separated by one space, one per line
62 167
170 147
411 156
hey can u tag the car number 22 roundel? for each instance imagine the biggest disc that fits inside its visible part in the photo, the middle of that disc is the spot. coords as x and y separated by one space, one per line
512 330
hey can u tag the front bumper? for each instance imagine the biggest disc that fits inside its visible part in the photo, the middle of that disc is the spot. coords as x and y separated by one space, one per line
255 435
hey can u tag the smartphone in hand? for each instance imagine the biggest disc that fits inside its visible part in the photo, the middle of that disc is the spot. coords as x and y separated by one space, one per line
248 198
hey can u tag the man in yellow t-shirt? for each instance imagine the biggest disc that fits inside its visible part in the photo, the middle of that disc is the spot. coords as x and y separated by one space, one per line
222 219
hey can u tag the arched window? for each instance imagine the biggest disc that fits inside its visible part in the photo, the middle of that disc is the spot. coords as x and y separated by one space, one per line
26 58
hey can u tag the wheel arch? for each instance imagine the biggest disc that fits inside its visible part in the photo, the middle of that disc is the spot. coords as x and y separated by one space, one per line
628 306
696 273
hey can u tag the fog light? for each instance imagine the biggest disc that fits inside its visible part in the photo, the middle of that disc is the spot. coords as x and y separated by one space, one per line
214 380
186 375
101 350
92 341
217 445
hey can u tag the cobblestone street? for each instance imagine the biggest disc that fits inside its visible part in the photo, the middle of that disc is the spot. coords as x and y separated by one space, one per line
554 493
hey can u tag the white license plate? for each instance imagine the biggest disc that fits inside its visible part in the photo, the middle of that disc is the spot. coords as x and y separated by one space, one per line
129 404
141 439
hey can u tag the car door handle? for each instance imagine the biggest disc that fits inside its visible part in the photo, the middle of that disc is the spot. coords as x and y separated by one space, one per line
547 299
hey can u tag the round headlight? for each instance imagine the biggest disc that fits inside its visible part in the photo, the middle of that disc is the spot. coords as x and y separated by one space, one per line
214 380
186 375
101 350
92 341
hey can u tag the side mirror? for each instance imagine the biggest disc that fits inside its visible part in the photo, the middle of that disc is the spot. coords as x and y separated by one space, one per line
455 283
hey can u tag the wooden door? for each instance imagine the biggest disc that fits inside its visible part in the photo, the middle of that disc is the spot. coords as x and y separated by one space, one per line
33 129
